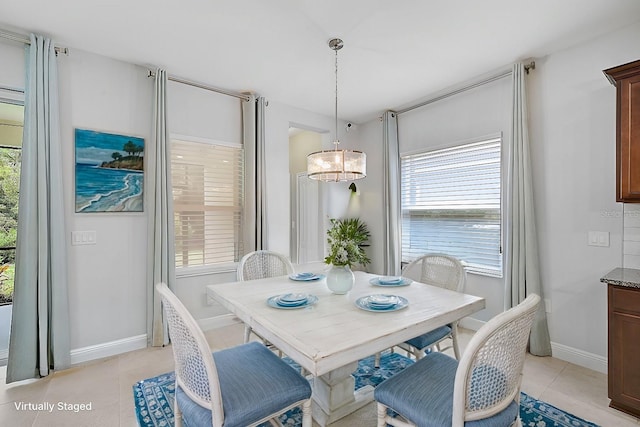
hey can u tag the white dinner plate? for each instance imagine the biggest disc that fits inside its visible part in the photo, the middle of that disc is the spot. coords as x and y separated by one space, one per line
275 302
404 281
368 303
306 277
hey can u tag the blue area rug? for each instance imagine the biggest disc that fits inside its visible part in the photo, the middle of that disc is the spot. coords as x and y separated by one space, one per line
154 397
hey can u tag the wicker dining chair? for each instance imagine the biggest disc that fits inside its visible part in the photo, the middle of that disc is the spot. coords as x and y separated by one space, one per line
239 386
261 265
482 389
443 271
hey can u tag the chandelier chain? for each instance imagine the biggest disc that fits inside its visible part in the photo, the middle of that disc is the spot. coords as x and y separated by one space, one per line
336 142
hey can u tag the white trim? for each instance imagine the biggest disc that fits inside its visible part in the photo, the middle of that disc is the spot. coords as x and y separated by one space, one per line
188 138
4 357
579 357
559 351
471 323
112 348
217 322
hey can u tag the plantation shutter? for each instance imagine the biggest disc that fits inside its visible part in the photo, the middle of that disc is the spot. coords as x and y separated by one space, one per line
208 199
451 204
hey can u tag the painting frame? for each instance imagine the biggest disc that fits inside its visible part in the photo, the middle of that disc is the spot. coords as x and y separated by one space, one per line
109 172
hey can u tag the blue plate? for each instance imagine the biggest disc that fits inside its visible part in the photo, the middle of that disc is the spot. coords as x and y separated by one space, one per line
404 281
276 302
370 303
292 299
306 277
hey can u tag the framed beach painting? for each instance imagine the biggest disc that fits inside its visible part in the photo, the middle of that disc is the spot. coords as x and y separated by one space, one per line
109 172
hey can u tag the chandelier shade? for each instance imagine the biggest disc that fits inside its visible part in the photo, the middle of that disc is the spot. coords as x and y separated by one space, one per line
336 165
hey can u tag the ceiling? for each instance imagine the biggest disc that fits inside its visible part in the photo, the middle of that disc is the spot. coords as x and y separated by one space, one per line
395 52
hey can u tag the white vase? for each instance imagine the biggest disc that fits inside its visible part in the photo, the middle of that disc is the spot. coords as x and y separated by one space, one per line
340 279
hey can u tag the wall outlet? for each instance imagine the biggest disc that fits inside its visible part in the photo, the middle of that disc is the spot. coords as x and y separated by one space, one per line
83 238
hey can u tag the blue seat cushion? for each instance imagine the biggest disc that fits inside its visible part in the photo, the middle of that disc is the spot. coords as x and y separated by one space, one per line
423 394
254 383
430 338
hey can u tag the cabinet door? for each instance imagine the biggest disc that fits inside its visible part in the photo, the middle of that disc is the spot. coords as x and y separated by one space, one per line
624 349
628 140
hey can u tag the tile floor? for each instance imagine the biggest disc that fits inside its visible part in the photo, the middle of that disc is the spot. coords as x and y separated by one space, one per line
107 385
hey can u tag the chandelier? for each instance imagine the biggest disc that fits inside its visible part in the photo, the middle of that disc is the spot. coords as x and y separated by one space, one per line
336 165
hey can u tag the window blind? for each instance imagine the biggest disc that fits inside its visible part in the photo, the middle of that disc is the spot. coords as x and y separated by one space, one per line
208 197
450 201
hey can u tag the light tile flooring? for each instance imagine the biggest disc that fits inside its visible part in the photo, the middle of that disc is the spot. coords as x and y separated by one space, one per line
107 385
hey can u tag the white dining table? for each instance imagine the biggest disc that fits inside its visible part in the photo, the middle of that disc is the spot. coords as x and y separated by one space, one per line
329 337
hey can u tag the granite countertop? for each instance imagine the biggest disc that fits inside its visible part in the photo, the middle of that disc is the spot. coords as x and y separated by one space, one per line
629 277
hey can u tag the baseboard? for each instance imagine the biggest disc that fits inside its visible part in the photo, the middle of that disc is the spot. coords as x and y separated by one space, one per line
113 348
559 351
579 357
471 323
216 322
107 349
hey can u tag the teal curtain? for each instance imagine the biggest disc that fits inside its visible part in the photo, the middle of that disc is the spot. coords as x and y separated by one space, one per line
39 340
391 195
523 270
161 265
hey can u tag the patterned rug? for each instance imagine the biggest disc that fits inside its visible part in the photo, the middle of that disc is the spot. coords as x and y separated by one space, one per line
154 397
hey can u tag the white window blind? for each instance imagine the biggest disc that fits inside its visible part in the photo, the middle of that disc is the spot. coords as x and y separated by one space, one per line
207 201
451 204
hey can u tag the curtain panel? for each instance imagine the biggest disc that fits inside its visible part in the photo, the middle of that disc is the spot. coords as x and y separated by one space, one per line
39 339
161 263
523 272
391 195
253 140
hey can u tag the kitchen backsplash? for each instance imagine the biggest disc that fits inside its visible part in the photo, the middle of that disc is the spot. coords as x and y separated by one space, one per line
631 235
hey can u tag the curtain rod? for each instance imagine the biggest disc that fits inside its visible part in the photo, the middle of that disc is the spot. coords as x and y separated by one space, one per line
242 96
506 73
24 39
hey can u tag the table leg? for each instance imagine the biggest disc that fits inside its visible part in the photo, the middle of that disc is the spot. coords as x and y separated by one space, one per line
334 396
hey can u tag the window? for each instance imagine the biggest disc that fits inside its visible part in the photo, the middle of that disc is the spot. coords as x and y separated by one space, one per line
11 122
207 179
451 204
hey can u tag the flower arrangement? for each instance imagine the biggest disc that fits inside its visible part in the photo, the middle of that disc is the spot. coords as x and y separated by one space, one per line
346 238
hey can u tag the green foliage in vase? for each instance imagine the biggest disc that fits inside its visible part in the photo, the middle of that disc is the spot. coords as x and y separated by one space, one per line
346 238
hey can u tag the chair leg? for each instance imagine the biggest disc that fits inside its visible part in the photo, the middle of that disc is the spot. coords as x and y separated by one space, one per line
382 415
177 413
419 354
247 333
306 413
376 361
454 338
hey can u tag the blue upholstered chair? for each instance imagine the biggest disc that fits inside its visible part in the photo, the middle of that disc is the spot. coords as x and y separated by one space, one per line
446 272
240 386
483 389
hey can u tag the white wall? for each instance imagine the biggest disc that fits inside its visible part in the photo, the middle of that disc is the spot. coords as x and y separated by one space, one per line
573 148
107 281
279 118
572 124
475 113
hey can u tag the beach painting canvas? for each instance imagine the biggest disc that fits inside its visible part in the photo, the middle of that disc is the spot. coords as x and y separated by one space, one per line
109 172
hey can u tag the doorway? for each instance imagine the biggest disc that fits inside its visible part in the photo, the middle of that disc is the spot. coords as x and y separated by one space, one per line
307 207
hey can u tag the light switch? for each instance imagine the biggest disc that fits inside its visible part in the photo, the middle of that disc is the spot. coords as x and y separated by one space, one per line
599 238
83 238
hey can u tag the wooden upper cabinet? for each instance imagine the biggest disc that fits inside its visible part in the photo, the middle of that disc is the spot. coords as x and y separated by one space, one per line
626 79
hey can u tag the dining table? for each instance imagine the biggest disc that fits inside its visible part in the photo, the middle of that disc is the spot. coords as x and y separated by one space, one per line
330 333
